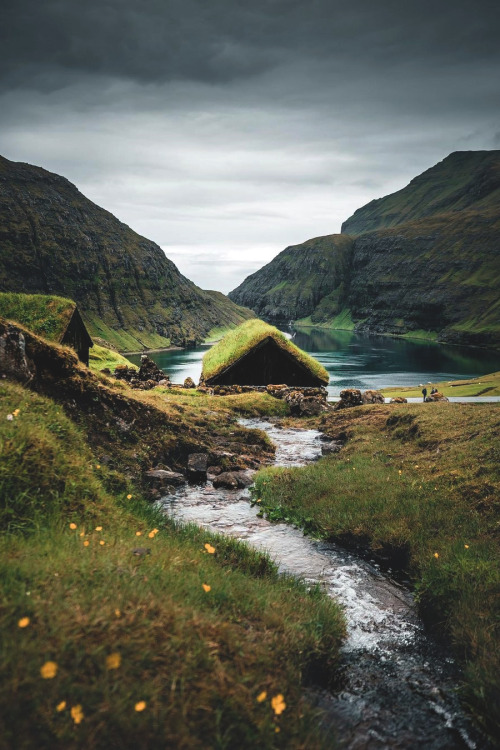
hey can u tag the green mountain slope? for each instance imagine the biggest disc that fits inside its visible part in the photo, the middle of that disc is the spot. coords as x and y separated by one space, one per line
425 259
303 279
53 240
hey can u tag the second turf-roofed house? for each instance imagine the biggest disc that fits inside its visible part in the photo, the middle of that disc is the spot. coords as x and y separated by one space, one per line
54 318
258 354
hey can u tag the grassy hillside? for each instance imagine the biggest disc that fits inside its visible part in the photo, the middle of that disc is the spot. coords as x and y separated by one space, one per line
464 181
53 240
303 279
198 643
419 486
424 259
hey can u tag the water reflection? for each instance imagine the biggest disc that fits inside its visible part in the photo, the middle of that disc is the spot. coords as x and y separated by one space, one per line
359 361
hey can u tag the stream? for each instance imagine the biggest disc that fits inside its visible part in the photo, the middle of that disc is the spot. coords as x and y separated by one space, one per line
398 685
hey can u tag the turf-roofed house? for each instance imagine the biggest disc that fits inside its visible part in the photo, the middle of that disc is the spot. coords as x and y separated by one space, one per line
54 318
258 354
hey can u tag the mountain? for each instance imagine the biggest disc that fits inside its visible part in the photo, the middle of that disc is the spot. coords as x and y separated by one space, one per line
53 240
422 261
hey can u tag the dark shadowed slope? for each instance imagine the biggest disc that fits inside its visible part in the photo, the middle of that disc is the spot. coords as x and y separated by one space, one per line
53 240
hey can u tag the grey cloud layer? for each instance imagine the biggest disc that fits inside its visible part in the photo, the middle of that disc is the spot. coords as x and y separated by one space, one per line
225 130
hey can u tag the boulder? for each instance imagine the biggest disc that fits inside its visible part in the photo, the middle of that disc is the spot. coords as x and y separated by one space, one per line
197 467
349 397
398 400
233 480
189 383
160 478
305 402
372 397
436 397
13 360
277 391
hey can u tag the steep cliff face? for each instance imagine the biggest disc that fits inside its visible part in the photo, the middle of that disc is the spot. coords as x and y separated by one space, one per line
304 279
53 240
425 259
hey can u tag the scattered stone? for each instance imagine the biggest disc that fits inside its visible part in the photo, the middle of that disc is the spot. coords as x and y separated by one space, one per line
278 391
189 383
147 377
333 446
197 467
398 400
164 382
141 551
305 402
372 397
214 470
349 397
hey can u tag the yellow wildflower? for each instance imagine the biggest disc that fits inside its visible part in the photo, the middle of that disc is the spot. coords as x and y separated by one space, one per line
206 587
82 533
48 670
209 549
436 555
138 533
151 535
24 622
400 472
466 546
98 466
102 543
16 412
113 661
73 526
61 706
98 528
140 706
129 497
278 704
261 696
86 543
76 713
117 613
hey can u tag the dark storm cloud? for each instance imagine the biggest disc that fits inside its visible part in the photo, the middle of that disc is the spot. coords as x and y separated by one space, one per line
41 43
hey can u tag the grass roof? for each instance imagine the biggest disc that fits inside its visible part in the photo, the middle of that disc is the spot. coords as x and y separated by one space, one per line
45 315
242 339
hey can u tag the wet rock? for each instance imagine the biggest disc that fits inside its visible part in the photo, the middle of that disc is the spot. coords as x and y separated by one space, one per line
372 397
333 446
398 400
141 551
349 397
160 478
197 467
233 480
189 383
214 470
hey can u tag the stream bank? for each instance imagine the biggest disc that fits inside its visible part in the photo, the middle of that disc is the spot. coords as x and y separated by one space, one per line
398 687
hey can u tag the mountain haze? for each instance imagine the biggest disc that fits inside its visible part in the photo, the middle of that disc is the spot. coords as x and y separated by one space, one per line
53 240
424 260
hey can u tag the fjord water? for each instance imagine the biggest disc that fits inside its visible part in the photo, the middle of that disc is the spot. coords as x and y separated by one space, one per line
398 687
360 361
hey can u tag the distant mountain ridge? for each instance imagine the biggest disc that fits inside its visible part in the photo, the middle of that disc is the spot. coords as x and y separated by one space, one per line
54 240
424 260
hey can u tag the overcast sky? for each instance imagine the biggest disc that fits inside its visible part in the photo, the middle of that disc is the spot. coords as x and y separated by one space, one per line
225 130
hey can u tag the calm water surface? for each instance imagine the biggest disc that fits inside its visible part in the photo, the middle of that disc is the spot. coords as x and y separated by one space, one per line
359 361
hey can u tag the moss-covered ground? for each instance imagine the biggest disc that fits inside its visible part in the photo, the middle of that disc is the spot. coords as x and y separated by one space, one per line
422 487
189 645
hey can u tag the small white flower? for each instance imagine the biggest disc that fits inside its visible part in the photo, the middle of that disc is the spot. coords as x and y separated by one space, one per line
10 417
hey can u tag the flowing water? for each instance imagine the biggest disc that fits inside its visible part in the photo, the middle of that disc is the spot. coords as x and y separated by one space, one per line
397 687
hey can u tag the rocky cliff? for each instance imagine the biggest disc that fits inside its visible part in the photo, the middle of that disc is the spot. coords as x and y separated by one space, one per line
53 240
425 260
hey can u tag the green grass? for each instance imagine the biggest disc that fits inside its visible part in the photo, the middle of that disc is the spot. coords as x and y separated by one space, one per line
198 659
343 322
242 339
486 385
45 315
426 483
252 404
101 357
125 340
